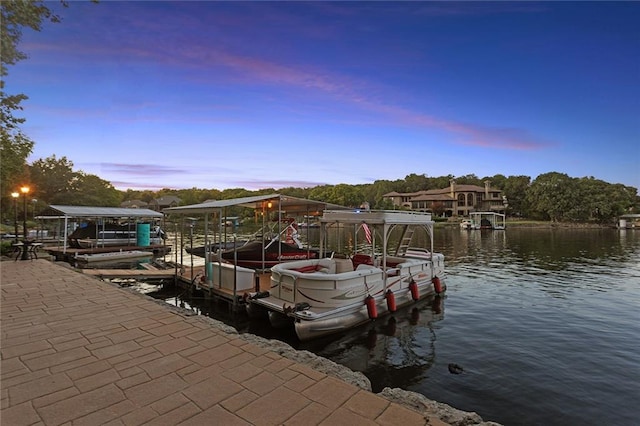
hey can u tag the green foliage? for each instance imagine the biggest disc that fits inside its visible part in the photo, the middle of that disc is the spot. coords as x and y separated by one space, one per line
415 183
515 189
342 194
52 179
549 196
5 248
557 197
93 191
55 182
15 147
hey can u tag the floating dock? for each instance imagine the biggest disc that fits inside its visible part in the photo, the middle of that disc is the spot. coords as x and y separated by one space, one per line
222 277
138 274
68 255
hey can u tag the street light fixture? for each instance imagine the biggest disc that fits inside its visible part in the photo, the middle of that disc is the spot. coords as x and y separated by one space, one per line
15 196
25 248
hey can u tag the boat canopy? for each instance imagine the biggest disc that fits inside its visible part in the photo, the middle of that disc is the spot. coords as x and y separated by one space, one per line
377 217
98 212
278 201
383 220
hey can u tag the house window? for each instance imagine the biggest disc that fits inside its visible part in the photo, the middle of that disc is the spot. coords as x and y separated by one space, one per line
460 200
469 199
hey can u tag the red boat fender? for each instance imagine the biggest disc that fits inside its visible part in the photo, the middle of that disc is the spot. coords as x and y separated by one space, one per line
372 309
415 293
391 300
437 285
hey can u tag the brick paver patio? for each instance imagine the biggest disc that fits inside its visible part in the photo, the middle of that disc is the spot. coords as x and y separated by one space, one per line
76 350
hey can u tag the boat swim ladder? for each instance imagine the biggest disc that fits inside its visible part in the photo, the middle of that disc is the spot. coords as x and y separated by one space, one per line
405 240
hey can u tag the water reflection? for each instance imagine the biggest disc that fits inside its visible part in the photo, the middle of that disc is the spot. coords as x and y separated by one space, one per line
393 350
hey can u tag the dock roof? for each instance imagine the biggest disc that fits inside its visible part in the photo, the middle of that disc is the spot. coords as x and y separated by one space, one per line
95 212
283 202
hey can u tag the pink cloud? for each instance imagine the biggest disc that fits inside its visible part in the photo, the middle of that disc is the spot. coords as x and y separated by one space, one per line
183 53
469 134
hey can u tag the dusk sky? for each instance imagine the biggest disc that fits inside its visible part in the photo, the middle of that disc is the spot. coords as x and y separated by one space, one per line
217 95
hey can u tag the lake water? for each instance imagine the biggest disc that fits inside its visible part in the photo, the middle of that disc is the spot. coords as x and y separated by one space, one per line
544 322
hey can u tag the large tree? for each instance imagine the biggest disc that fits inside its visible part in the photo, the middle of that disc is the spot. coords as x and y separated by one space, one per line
51 178
515 189
15 146
552 195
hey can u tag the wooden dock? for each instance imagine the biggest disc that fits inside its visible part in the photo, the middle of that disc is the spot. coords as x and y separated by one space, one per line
138 274
149 272
184 276
61 255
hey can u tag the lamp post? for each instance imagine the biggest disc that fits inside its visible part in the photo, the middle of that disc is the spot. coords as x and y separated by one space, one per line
25 248
15 196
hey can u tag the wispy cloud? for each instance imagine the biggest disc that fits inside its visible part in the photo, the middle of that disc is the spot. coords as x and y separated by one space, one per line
276 184
251 70
124 185
149 170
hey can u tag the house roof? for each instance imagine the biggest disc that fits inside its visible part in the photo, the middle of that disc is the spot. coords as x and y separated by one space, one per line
420 195
166 200
432 197
133 203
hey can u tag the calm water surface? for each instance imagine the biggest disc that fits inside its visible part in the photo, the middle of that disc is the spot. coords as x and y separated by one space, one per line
545 323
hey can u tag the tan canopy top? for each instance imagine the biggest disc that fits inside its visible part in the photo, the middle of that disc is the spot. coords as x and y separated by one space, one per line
272 201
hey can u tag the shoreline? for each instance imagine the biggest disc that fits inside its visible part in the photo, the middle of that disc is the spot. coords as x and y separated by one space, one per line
538 224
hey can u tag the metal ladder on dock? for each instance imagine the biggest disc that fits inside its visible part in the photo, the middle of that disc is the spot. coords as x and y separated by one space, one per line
405 241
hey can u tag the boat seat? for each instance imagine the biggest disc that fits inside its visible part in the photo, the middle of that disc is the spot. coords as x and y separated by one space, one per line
323 265
343 265
364 266
359 259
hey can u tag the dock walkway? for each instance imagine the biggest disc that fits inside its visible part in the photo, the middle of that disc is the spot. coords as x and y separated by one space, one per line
76 350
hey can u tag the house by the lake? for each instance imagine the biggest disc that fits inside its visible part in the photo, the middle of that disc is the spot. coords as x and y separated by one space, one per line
164 202
157 205
134 204
454 200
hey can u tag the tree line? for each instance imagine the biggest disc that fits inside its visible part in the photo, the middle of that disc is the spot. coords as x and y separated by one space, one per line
551 196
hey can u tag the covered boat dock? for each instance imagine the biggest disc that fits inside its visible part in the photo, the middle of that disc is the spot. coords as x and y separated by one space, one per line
487 220
629 221
68 218
232 281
